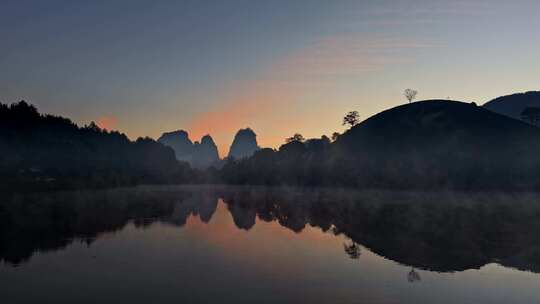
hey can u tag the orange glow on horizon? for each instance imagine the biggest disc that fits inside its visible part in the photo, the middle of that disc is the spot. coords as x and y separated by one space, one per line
259 108
278 104
107 122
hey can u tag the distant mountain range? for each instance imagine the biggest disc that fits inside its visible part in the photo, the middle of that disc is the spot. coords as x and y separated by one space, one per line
205 154
201 154
244 145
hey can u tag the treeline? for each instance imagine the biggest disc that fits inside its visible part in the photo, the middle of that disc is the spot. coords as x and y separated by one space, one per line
46 151
309 163
424 145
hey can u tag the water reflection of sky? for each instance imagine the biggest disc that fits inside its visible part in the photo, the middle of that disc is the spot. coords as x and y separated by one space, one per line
218 262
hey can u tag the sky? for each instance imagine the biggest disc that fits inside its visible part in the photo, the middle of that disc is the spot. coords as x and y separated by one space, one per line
280 67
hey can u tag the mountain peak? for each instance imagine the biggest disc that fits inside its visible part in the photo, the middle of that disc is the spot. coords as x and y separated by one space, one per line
200 154
205 153
244 144
207 140
180 142
178 133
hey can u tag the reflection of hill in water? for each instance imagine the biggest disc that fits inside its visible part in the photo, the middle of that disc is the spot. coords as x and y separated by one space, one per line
435 231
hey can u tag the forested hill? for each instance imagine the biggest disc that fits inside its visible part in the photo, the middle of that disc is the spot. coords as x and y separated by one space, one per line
48 151
426 144
443 143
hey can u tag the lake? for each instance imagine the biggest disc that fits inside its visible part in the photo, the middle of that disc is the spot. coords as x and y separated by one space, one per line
218 244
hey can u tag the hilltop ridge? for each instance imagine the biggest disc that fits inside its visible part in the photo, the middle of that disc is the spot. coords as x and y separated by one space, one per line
512 105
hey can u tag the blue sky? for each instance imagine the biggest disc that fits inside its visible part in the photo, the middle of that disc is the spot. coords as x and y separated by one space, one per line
280 67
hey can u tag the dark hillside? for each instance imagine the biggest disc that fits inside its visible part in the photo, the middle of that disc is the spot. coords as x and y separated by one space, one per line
442 142
47 151
423 145
513 105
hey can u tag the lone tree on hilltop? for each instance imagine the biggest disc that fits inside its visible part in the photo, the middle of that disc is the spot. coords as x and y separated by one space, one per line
352 118
410 94
296 137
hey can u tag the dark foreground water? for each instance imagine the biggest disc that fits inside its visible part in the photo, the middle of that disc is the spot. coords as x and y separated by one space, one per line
269 245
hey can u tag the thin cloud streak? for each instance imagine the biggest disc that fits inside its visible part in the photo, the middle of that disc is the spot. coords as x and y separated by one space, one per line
399 14
435 8
344 55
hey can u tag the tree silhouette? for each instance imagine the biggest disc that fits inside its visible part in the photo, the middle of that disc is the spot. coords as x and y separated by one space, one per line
352 250
413 276
325 139
351 118
410 94
335 136
93 127
531 115
296 137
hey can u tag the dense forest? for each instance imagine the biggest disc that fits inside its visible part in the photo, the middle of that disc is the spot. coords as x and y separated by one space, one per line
423 145
45 151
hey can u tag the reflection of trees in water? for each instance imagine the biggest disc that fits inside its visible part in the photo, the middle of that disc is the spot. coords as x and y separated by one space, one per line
51 221
442 232
352 250
45 222
433 231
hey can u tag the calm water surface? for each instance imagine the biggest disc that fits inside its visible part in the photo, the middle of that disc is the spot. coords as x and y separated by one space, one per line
269 245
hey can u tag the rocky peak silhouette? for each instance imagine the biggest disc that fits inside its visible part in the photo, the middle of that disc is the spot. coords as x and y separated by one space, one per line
180 142
199 154
205 153
244 144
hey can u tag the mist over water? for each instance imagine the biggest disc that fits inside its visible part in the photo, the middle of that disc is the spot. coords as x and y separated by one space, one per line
256 244
306 151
